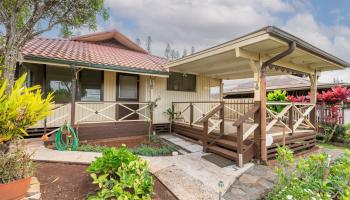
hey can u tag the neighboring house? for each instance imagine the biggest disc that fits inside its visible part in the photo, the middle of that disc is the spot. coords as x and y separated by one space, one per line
294 85
104 84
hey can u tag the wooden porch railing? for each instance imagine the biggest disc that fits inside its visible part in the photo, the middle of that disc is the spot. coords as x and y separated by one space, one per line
109 111
243 135
96 112
293 117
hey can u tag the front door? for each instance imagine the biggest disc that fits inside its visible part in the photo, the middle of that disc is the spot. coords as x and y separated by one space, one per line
127 91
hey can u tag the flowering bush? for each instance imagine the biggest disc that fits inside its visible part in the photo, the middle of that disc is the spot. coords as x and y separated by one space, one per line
315 177
335 95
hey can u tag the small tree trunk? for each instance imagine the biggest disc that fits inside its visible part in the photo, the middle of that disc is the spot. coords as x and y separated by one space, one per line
9 67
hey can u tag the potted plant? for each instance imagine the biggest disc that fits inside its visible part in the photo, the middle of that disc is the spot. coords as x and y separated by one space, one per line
20 108
16 169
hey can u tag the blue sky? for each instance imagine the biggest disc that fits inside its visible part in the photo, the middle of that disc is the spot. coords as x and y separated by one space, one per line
204 23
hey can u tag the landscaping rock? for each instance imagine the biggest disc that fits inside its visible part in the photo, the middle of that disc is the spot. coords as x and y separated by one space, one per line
34 190
255 183
248 179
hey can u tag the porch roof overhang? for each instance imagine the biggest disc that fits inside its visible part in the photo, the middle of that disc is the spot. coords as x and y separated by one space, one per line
232 60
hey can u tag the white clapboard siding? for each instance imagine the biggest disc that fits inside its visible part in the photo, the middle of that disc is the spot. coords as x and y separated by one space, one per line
166 96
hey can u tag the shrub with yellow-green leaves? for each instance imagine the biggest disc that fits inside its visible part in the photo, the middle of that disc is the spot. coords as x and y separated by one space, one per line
20 108
120 174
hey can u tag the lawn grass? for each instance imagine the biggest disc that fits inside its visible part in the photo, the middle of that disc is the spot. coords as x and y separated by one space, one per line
332 146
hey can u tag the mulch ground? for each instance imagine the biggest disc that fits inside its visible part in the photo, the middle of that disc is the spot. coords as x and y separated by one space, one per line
71 182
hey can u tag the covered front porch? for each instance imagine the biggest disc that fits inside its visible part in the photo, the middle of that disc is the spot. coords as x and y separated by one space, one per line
244 130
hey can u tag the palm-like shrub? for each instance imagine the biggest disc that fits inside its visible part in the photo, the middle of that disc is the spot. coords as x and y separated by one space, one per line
20 108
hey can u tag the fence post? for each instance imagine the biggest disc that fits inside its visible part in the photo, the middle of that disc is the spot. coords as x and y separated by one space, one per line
257 120
222 117
240 145
291 118
191 114
204 137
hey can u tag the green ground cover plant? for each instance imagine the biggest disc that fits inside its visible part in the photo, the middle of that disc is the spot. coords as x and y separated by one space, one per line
155 146
92 148
120 174
315 177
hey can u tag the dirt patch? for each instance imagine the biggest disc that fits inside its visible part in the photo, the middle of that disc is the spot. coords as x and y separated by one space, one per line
130 142
71 182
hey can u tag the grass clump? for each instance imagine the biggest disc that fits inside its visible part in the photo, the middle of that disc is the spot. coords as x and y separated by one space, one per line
92 148
154 147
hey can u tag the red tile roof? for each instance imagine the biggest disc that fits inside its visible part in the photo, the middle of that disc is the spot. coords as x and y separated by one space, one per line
104 54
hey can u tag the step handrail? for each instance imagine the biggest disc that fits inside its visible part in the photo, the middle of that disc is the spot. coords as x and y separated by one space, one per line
239 124
205 121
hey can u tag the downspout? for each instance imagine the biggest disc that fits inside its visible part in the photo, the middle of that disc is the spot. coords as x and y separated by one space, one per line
262 146
291 48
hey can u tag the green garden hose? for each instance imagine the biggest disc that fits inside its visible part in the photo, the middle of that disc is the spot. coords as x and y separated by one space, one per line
71 143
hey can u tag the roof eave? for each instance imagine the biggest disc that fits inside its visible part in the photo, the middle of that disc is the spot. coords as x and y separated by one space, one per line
280 34
95 66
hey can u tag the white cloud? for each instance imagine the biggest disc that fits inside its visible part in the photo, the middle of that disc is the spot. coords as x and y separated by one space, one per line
333 39
200 23
203 23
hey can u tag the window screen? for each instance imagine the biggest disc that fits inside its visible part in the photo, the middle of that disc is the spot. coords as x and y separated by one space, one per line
128 87
181 82
59 81
90 85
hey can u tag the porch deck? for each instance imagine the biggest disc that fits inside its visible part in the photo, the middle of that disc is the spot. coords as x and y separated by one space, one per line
299 142
235 134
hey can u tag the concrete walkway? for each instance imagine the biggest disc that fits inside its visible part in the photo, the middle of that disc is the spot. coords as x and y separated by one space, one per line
188 176
41 153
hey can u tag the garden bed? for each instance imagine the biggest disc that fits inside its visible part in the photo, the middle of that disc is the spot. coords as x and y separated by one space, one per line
153 146
72 182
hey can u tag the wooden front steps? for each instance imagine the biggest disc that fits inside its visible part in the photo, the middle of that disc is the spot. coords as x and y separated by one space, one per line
227 148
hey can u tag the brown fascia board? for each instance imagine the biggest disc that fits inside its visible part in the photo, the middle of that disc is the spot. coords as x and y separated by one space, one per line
283 35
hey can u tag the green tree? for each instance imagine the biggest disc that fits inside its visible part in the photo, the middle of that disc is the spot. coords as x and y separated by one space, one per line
24 19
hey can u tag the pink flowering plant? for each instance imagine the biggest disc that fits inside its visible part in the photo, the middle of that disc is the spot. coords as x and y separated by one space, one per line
331 103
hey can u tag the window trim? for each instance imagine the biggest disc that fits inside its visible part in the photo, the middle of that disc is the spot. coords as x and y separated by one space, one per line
182 90
118 87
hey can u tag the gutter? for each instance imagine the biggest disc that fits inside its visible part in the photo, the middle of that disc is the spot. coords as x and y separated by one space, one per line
276 32
291 48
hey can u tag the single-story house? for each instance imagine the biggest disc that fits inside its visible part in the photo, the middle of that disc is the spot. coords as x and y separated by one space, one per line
293 85
106 86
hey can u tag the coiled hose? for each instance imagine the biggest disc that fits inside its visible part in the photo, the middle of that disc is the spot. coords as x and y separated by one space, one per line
70 142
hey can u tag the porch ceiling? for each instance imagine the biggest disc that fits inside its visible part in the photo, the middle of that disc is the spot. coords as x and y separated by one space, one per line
231 60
